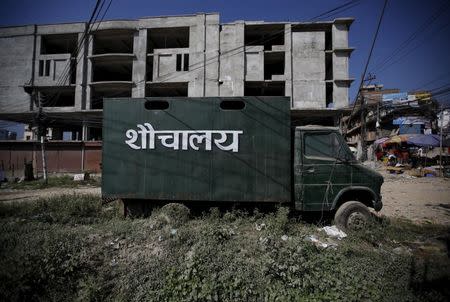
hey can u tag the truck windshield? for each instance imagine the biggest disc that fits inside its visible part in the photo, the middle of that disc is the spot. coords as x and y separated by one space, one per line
328 145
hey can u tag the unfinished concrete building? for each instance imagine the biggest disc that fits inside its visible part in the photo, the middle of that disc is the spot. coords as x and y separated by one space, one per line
69 75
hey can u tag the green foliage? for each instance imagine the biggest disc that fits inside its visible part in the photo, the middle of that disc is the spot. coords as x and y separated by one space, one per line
57 209
279 223
74 248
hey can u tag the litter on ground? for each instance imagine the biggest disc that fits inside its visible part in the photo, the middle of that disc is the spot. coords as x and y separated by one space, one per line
334 232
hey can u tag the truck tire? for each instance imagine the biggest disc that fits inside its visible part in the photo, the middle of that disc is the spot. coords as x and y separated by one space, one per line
352 215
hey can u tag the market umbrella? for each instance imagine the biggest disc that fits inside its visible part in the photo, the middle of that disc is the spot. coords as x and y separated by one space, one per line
424 140
380 141
396 139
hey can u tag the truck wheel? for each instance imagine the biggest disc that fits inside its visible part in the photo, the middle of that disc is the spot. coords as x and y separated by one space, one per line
352 215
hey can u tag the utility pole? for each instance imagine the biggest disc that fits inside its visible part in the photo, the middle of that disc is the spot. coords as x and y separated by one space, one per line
377 125
363 129
441 167
370 77
42 133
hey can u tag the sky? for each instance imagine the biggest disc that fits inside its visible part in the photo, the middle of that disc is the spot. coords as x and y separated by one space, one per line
422 63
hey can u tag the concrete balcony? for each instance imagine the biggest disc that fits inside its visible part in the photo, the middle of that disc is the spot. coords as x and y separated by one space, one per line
55 70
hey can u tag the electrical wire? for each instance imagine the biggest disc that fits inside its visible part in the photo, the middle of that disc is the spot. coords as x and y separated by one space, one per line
368 60
404 55
419 31
329 182
82 42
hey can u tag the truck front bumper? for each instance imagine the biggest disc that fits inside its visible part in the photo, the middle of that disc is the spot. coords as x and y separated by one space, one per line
377 204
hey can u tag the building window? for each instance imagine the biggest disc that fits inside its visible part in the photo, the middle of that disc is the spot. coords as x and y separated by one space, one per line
175 89
58 44
269 35
44 68
182 60
186 62
41 68
47 68
173 37
272 88
273 64
178 62
329 95
322 145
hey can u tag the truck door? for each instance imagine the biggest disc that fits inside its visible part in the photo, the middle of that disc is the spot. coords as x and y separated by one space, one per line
324 170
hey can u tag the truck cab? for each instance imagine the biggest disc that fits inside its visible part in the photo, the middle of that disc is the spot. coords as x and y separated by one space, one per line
327 177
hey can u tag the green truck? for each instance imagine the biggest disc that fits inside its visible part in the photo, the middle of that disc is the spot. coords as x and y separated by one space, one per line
218 150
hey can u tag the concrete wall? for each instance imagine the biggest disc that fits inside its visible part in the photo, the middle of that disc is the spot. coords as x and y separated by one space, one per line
308 69
254 63
339 35
140 63
340 94
16 68
340 65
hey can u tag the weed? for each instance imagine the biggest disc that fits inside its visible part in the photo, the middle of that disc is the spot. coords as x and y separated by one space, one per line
74 248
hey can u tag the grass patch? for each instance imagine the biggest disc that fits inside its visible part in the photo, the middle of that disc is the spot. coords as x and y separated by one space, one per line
74 248
53 181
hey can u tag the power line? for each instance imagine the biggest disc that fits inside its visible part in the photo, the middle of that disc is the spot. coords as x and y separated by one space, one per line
408 52
82 40
368 61
436 79
76 53
419 31
337 10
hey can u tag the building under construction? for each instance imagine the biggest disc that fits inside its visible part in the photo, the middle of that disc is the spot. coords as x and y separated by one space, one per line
68 69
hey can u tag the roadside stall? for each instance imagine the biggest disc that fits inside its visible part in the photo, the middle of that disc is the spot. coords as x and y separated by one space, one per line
420 153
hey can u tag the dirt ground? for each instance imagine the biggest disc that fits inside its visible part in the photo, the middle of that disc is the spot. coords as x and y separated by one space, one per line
422 200
28 195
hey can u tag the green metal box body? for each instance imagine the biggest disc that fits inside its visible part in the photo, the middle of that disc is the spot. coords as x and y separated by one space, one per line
194 150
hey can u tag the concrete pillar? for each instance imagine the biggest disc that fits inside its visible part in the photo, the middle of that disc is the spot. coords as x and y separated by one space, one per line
84 132
341 56
80 98
197 56
212 55
38 53
88 72
232 59
139 63
288 62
